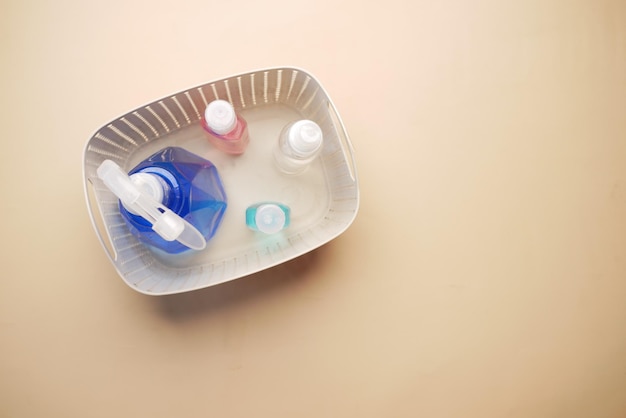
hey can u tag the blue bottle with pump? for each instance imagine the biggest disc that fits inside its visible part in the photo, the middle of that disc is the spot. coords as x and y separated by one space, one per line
173 200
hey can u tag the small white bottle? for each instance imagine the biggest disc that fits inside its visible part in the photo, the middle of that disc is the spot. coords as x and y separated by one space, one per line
298 145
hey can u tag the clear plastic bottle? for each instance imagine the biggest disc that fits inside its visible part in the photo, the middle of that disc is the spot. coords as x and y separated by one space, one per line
224 128
173 200
298 145
268 217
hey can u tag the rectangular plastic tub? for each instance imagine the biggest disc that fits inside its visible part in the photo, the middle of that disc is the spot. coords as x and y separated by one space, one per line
324 200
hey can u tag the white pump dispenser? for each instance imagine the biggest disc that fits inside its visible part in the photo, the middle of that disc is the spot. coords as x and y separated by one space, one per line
164 222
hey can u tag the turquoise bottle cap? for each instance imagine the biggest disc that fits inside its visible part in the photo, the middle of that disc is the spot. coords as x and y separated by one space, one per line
270 218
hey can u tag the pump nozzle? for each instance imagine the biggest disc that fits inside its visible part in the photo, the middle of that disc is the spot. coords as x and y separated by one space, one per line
166 223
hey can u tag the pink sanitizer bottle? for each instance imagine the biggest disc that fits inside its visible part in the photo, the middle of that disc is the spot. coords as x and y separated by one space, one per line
224 128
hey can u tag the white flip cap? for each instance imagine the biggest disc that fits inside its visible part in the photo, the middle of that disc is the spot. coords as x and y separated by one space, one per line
305 137
269 218
166 223
220 117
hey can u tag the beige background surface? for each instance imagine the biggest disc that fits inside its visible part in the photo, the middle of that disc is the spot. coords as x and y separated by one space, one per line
485 275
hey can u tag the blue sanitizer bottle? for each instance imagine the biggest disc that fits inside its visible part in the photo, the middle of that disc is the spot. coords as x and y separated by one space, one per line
173 200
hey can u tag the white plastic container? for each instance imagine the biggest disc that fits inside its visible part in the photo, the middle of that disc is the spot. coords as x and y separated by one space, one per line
323 201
